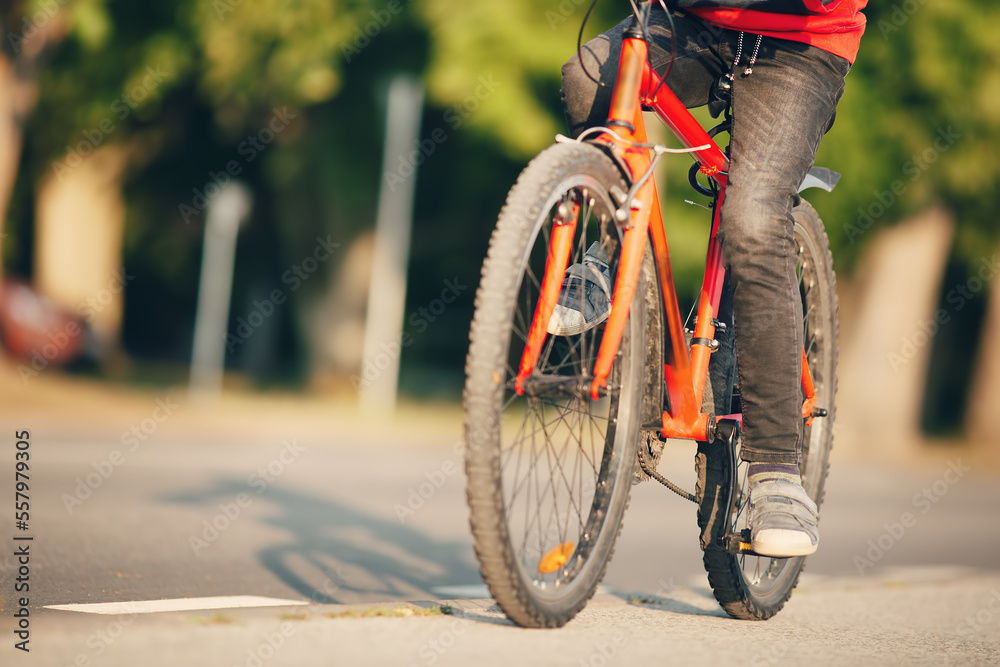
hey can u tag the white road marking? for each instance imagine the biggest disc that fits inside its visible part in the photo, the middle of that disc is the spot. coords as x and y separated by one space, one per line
477 591
178 604
474 591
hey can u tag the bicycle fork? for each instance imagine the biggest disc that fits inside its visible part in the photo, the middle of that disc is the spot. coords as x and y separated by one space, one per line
560 244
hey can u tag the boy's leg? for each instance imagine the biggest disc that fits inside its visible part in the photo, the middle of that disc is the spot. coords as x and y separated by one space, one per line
780 113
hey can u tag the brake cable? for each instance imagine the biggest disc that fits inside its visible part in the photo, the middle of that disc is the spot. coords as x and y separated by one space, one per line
579 45
645 33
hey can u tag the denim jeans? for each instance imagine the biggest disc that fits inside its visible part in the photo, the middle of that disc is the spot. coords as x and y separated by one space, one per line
780 113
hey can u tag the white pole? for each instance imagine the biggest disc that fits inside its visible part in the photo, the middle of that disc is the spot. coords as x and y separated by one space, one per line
387 291
226 211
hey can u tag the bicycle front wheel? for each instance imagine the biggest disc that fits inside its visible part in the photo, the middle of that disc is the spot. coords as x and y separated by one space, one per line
757 587
549 472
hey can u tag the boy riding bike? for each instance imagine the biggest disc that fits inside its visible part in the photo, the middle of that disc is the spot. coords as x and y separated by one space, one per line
782 65
581 365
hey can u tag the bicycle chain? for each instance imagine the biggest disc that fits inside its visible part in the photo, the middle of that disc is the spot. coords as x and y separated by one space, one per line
665 482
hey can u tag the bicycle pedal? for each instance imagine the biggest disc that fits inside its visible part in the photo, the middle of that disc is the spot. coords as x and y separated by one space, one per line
738 543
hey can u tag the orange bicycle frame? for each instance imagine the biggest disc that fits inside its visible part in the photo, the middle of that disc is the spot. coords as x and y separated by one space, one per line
685 373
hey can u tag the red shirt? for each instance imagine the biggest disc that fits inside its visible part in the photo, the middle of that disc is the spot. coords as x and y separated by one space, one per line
836 27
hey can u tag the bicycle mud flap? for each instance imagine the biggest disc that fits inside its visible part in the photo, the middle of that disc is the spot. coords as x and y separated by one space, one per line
651 442
653 391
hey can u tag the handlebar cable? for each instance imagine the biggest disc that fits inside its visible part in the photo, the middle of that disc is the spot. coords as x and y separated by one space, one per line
579 45
645 32
673 49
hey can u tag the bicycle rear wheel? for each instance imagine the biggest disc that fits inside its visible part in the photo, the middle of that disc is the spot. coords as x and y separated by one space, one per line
756 587
549 472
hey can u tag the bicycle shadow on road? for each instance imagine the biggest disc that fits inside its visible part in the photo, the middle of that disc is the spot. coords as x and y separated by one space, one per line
671 602
336 553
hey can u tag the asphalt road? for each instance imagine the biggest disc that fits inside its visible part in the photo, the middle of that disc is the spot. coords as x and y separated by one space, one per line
906 556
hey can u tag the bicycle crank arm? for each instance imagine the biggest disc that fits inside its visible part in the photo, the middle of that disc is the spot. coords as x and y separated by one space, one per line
728 432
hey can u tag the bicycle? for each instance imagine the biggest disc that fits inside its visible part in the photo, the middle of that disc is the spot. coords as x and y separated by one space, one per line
558 427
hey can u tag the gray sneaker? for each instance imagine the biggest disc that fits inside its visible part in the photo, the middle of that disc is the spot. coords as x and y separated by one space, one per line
585 300
783 520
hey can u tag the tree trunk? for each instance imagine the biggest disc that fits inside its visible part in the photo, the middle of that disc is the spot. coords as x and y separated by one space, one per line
984 397
78 241
884 341
18 96
16 99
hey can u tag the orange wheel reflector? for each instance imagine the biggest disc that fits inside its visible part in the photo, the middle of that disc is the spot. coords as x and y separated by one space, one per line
556 558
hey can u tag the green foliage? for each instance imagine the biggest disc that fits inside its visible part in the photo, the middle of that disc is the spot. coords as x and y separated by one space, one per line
922 112
267 50
925 71
505 41
241 58
522 45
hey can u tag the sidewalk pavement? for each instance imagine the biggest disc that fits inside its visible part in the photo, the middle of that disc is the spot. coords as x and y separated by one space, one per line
925 616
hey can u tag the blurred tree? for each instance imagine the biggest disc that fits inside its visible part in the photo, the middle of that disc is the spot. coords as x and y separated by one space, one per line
918 124
149 77
186 87
185 90
30 36
917 127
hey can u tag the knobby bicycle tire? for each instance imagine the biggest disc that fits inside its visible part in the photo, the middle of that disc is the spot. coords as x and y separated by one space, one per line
749 587
512 563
